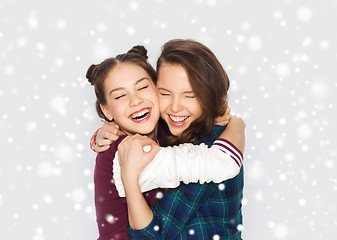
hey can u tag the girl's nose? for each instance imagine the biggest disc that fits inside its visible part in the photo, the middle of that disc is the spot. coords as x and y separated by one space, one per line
176 105
135 100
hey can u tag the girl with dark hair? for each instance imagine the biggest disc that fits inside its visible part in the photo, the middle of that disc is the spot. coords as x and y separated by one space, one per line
192 88
126 94
126 73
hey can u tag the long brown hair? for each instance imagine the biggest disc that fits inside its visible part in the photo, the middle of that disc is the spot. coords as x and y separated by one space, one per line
97 73
208 79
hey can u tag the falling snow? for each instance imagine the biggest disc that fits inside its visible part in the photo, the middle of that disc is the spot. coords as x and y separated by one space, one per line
304 14
281 231
216 237
221 186
110 219
255 43
281 63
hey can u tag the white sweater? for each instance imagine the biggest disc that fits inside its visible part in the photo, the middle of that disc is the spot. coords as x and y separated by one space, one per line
186 163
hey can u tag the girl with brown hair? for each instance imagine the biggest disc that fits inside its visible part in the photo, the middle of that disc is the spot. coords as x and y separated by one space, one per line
125 92
192 88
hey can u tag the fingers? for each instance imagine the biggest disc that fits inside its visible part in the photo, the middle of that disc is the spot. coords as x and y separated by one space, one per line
115 125
112 127
99 149
135 142
107 134
119 133
228 110
104 142
225 118
149 153
222 121
227 115
154 150
132 156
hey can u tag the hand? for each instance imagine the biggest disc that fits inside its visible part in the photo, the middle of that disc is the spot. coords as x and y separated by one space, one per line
106 135
224 119
235 132
133 158
238 121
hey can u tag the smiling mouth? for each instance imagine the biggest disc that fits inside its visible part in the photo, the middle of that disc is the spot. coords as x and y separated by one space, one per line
177 120
141 116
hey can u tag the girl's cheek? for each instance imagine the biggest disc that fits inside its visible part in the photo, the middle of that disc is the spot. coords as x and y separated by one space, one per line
162 106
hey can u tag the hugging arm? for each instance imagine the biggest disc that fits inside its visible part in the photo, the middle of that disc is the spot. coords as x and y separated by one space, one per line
110 132
109 206
176 208
190 163
104 137
167 219
139 213
174 211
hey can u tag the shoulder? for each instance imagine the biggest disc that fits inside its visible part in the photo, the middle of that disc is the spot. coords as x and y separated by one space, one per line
217 130
209 139
163 131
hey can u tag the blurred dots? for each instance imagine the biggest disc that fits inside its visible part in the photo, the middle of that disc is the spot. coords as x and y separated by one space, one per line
78 195
255 43
281 231
304 14
282 69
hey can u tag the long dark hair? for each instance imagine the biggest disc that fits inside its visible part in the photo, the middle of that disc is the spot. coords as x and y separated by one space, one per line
208 79
97 73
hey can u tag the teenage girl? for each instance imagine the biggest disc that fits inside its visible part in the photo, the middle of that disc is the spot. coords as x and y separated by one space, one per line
192 89
125 93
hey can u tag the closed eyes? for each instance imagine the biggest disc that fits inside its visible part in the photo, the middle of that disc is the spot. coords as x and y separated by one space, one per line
120 96
125 94
143 87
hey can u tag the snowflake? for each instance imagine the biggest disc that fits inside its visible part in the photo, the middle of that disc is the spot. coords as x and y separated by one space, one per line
216 237
110 219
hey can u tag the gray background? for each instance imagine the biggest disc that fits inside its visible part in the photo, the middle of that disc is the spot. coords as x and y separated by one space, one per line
281 59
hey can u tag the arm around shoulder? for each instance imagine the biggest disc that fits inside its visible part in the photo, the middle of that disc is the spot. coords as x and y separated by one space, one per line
235 133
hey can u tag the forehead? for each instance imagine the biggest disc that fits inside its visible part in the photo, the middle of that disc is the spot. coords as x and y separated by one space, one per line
127 71
126 74
173 76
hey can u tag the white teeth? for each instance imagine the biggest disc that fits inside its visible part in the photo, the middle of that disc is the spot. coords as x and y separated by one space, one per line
178 119
139 114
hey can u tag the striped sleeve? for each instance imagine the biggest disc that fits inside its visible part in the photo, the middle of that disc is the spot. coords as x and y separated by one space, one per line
229 148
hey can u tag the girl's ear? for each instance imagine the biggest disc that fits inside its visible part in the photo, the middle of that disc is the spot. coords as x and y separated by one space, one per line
106 112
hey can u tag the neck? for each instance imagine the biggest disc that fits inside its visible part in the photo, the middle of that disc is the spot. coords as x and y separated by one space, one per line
153 134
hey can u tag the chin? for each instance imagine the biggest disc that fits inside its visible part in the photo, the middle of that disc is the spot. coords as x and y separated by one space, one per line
176 132
146 130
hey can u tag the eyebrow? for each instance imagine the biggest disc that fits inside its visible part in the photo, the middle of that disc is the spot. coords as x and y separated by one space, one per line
186 92
121 88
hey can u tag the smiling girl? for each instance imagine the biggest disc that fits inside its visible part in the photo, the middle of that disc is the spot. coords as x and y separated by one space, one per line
125 91
126 94
192 88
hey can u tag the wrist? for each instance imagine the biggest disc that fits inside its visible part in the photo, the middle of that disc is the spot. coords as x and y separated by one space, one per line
93 140
129 178
131 186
